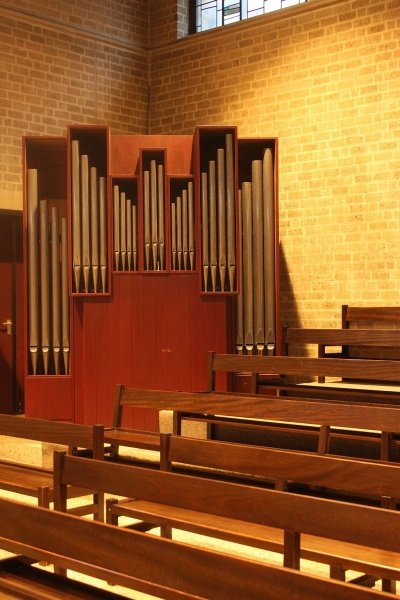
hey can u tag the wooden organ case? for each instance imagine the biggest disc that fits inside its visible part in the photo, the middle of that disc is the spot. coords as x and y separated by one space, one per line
141 254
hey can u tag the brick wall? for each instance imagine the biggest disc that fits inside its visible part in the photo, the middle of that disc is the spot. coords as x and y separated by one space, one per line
324 78
71 62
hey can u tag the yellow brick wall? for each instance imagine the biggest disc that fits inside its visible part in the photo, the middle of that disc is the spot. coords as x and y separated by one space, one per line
324 78
64 63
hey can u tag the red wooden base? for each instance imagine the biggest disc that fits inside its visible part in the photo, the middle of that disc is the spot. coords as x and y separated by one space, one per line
153 332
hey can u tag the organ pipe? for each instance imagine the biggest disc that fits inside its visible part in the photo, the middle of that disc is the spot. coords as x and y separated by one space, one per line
134 236
129 233
247 267
33 267
213 225
205 229
221 215
85 220
56 288
173 235
154 213
239 300
160 203
76 214
64 296
191 225
258 253
179 248
122 207
185 230
94 230
230 211
146 202
269 248
103 232
44 284
117 233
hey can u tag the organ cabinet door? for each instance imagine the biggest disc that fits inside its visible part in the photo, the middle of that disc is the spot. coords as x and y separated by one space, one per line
141 254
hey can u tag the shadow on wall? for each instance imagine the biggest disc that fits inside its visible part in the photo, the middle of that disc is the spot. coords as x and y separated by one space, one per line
289 312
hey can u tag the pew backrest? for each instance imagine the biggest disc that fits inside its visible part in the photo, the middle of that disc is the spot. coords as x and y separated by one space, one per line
272 372
336 343
340 337
356 477
54 432
133 560
347 522
383 419
369 314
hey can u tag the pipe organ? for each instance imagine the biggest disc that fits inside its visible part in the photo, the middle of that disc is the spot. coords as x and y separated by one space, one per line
142 254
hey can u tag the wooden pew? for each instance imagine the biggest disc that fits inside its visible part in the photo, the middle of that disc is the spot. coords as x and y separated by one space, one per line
354 317
369 314
323 338
272 373
325 426
121 436
366 479
38 482
377 340
145 563
254 516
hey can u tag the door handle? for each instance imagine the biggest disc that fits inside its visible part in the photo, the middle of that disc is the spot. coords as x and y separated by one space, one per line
7 327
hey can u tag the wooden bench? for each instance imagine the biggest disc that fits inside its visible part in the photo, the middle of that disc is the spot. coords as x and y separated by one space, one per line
38 482
354 317
344 536
118 436
275 373
323 426
366 479
369 314
148 564
341 339
323 338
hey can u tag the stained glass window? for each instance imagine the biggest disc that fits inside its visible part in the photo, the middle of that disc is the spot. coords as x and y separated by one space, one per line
214 13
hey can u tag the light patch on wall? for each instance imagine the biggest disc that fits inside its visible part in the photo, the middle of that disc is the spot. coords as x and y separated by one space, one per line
10 200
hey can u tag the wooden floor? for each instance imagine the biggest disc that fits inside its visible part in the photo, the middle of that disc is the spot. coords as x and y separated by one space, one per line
9 449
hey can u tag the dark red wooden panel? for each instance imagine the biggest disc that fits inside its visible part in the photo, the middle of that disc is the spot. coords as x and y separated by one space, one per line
50 397
154 332
125 150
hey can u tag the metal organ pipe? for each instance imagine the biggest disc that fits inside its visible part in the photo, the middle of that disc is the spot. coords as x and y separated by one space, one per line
56 288
94 229
33 268
269 248
44 284
103 232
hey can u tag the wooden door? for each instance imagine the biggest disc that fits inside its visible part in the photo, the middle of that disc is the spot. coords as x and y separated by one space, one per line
11 313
